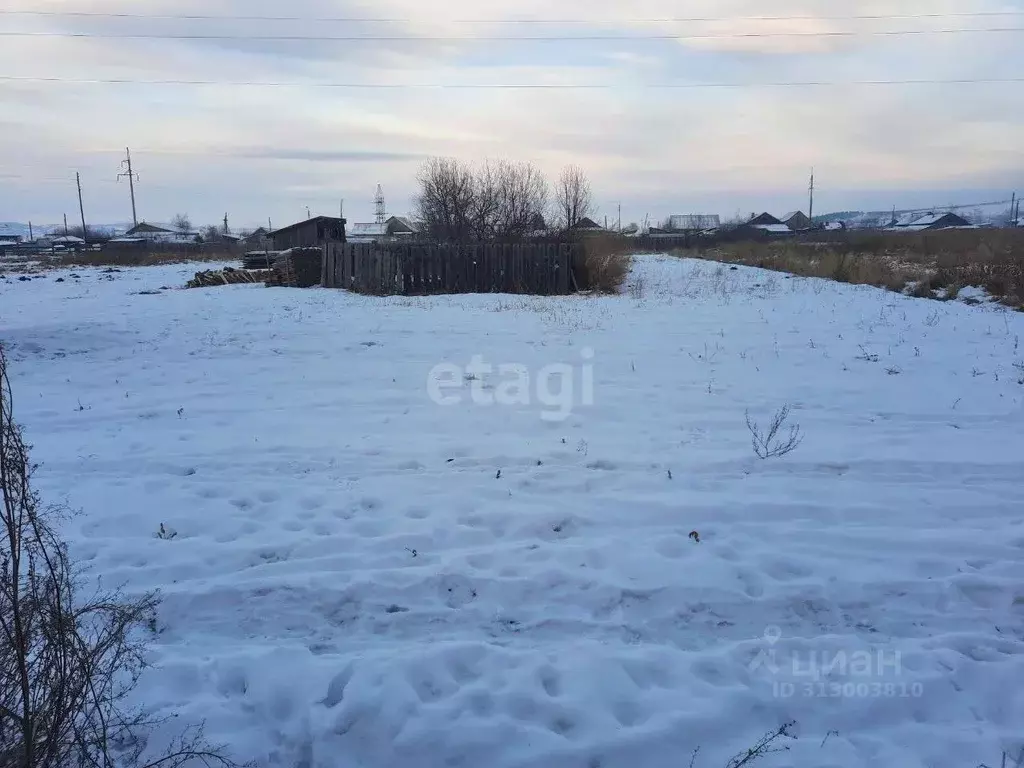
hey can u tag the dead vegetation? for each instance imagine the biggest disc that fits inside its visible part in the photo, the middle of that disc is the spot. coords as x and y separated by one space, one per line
936 265
132 258
70 655
604 264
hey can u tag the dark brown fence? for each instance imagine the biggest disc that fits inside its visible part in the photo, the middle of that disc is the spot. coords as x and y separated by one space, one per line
418 269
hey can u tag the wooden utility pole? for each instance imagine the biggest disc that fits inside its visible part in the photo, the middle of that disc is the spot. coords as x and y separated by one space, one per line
81 207
1013 209
65 225
810 207
226 230
131 182
30 237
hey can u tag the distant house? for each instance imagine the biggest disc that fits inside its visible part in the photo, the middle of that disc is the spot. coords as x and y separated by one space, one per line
396 227
693 222
144 230
309 233
797 220
773 229
154 233
931 221
765 219
66 241
588 224
257 240
9 242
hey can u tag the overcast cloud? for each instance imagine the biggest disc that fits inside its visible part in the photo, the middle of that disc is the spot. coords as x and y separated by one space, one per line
259 152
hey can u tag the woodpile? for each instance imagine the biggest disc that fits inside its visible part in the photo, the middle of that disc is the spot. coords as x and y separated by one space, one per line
259 259
226 276
297 268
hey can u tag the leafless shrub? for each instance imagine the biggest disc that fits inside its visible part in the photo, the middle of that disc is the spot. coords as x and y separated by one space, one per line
67 660
637 288
766 746
604 265
772 444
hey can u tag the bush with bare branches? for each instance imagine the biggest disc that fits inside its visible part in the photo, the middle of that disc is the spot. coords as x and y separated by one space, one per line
68 660
773 443
605 263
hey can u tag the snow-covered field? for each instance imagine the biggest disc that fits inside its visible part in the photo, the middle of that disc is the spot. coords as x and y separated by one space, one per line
364 576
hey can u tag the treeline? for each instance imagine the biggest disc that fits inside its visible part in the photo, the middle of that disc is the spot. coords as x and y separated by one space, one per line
497 200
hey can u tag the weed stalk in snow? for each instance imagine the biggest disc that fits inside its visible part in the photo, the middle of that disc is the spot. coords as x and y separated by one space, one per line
68 660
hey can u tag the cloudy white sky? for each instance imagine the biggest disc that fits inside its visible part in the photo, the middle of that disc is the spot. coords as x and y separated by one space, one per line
259 152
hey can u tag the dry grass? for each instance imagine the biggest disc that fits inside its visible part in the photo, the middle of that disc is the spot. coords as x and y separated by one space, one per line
143 258
605 264
934 265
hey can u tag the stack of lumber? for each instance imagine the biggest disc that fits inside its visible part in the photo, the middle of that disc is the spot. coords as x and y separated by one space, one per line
297 268
226 276
259 259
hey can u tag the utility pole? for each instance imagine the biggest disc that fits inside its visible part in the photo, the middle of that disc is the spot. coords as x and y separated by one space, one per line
308 214
30 237
341 209
620 217
65 225
81 208
131 182
1013 209
227 231
810 207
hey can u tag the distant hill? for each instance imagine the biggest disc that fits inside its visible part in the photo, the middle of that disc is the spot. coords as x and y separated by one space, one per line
983 215
39 230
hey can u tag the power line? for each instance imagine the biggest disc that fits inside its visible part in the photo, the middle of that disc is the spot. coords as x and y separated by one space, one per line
588 21
512 86
495 38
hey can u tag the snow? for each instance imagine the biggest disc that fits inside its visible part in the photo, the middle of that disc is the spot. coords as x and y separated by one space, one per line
774 228
364 577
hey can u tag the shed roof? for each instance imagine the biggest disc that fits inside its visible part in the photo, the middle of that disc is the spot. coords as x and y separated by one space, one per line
306 222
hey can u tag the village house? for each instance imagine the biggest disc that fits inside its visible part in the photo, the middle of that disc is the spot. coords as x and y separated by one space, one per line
395 228
797 220
692 222
144 233
310 233
917 222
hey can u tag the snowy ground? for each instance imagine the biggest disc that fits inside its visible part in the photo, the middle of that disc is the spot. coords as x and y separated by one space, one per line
362 576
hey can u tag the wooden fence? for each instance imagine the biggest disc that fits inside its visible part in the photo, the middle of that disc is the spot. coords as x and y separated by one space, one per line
418 269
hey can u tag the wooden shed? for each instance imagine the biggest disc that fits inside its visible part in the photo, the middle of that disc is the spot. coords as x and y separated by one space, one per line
310 233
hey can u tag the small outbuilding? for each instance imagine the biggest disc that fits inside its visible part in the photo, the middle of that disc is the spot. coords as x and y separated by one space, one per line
310 233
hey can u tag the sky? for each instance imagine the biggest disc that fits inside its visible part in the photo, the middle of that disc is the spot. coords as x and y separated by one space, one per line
666 116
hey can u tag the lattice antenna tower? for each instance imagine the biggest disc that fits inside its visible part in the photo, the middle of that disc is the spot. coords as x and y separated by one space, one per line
382 214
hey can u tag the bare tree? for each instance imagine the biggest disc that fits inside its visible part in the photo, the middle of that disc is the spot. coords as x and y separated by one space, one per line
67 660
485 209
523 196
445 204
181 222
574 199
211 233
